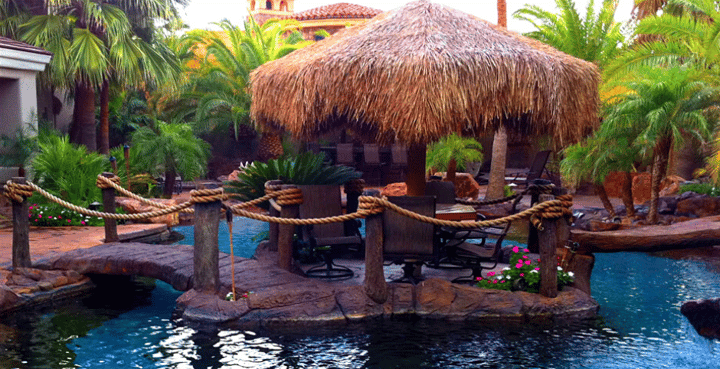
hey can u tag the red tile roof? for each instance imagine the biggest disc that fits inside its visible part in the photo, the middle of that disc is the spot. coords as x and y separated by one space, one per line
8 43
336 11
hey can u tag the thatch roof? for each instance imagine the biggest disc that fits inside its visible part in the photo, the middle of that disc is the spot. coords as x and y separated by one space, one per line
419 72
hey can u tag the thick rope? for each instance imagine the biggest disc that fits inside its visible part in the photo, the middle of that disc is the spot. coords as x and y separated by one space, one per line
17 192
207 195
114 182
84 211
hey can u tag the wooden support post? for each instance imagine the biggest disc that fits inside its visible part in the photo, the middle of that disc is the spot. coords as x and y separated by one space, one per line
375 286
286 233
548 258
273 232
108 196
415 178
21 231
532 241
206 273
563 225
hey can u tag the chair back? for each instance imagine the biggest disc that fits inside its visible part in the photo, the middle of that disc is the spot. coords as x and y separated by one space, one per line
371 153
406 238
322 201
443 191
345 154
538 165
399 155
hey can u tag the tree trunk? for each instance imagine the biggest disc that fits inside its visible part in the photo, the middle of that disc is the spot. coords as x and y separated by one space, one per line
169 185
662 151
496 185
627 195
451 171
104 132
82 131
600 192
270 146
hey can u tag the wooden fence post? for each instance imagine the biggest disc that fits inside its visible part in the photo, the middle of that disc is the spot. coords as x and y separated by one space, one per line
286 233
206 273
548 258
375 285
273 227
21 231
108 196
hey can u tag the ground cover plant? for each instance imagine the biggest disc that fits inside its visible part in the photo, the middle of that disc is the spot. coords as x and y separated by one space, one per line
523 274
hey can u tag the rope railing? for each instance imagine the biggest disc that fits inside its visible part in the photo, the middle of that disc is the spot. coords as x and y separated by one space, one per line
114 182
368 205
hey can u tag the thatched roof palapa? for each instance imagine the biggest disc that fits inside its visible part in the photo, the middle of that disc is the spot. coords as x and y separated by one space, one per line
419 72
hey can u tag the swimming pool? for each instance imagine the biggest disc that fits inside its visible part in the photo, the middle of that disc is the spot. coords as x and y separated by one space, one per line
640 326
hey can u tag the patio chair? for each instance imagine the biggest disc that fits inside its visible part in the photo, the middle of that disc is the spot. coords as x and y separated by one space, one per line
373 168
328 241
536 170
407 241
344 154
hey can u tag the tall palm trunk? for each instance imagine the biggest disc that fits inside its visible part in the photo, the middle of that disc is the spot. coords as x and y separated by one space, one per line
496 183
662 152
627 195
104 132
169 185
451 170
82 131
270 146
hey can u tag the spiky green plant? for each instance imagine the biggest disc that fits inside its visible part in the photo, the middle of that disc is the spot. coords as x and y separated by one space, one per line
452 152
304 169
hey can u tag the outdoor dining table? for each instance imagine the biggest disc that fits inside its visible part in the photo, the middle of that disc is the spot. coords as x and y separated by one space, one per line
455 212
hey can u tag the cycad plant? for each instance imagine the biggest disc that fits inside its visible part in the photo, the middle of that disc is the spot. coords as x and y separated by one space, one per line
171 149
452 152
304 169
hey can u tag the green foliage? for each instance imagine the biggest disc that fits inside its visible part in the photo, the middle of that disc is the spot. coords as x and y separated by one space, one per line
169 147
304 169
68 171
18 148
141 183
522 275
701 188
596 38
463 150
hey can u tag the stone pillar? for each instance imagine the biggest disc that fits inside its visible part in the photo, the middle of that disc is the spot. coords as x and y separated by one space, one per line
206 273
108 196
375 286
286 232
21 231
548 259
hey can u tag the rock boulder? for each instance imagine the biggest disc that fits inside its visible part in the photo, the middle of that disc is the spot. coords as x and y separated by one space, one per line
132 206
704 315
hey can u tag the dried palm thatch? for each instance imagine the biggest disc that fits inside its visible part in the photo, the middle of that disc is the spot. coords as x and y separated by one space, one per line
422 71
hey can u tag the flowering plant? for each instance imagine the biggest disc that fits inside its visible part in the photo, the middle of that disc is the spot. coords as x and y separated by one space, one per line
53 215
523 274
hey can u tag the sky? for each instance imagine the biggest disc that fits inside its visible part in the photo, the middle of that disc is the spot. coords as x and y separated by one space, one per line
202 13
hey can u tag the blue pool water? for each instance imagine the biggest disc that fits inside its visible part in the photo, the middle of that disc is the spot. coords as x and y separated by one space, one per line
640 326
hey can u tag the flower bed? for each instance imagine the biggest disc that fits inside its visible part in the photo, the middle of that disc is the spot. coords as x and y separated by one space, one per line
523 274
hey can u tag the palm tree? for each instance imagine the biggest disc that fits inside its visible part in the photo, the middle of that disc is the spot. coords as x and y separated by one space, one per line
171 149
662 105
453 152
498 161
220 84
94 43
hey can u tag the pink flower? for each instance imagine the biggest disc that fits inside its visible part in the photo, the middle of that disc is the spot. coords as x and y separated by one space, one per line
522 274
31 208
495 281
478 278
82 222
525 256
538 260
518 266
59 217
491 274
502 281
516 249
39 215
69 220
526 250
537 268
527 262
50 217
36 220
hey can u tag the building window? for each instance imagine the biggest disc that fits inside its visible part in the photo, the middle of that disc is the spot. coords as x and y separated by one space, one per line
268 5
283 6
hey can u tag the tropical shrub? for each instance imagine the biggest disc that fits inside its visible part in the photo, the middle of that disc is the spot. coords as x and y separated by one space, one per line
67 171
304 169
523 274
701 188
461 150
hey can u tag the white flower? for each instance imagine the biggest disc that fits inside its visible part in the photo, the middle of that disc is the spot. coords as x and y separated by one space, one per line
500 277
571 274
560 268
506 268
533 271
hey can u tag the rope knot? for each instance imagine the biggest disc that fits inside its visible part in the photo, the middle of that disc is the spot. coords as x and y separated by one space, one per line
207 195
370 205
17 192
103 182
289 196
